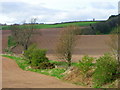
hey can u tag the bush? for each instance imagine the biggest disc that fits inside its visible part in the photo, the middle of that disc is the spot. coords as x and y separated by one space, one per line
10 45
35 56
38 56
11 41
86 64
27 53
88 31
7 50
106 67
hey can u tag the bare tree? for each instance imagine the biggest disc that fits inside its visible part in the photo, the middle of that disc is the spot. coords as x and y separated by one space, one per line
22 34
114 42
67 43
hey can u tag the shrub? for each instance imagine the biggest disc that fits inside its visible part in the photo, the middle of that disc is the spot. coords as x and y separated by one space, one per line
11 41
27 53
38 56
35 56
88 31
10 45
81 74
85 65
7 50
106 67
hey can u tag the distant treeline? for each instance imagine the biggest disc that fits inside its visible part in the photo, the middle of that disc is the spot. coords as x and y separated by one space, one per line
107 26
102 27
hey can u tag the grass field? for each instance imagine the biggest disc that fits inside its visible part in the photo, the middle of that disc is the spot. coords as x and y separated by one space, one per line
45 26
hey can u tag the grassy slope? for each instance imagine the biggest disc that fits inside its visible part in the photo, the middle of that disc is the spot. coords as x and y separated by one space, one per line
64 24
45 26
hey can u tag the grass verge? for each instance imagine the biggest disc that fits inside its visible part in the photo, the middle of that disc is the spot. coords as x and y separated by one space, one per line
23 64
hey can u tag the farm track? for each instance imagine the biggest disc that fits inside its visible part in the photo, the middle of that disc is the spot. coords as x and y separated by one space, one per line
14 77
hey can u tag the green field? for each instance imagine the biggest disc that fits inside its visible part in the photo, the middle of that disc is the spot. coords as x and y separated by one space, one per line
60 25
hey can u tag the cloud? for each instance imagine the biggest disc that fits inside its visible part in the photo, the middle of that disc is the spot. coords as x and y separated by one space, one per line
48 11
119 7
103 5
22 11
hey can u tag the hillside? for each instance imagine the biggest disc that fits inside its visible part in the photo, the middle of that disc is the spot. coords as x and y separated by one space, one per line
107 26
57 25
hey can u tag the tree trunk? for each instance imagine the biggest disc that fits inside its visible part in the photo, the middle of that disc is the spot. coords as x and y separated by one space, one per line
69 59
69 63
12 47
25 47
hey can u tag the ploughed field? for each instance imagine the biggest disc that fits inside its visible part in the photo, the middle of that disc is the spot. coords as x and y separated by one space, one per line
93 45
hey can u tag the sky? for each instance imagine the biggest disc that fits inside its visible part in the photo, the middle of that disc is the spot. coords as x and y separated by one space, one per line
56 11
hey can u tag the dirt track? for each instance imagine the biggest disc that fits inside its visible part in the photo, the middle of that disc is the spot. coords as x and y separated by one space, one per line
14 77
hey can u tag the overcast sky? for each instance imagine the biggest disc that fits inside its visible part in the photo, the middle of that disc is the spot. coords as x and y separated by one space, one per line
54 11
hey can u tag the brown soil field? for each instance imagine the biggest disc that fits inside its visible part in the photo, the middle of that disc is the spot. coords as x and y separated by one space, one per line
93 45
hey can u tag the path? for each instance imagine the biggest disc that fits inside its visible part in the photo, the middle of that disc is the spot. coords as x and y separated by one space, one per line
14 77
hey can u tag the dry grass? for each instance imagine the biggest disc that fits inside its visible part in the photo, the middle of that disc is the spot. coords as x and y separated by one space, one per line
75 76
